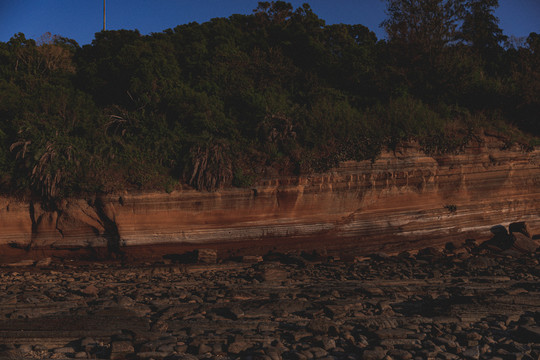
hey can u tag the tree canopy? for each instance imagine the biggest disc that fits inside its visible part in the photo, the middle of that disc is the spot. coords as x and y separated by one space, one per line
236 99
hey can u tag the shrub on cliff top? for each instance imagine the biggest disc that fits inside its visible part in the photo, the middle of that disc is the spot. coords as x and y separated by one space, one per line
235 99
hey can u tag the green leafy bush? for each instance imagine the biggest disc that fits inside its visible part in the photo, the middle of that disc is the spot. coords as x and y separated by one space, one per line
236 99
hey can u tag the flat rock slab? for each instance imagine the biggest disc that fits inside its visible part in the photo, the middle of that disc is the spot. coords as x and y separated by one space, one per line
461 304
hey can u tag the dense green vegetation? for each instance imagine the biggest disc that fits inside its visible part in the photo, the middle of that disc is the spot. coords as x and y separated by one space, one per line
235 99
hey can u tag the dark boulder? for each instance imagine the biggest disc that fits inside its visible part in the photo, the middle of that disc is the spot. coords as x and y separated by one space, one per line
518 240
519 227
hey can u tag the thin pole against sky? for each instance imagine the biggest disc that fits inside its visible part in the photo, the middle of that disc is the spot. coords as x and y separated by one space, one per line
103 15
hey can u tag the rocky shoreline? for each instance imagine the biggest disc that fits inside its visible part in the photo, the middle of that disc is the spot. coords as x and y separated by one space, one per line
475 301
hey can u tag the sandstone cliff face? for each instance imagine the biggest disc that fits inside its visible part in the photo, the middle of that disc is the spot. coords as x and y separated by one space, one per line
404 199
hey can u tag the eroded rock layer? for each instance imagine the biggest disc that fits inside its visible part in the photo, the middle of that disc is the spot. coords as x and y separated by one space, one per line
404 199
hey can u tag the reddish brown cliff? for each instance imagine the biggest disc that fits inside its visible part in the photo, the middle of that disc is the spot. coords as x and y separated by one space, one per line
404 199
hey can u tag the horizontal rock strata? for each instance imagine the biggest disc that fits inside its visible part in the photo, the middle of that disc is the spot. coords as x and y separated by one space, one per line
404 199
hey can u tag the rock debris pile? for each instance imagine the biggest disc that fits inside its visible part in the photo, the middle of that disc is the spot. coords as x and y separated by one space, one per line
469 302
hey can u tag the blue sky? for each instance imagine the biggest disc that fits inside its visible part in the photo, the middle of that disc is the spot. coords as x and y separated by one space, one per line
80 19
